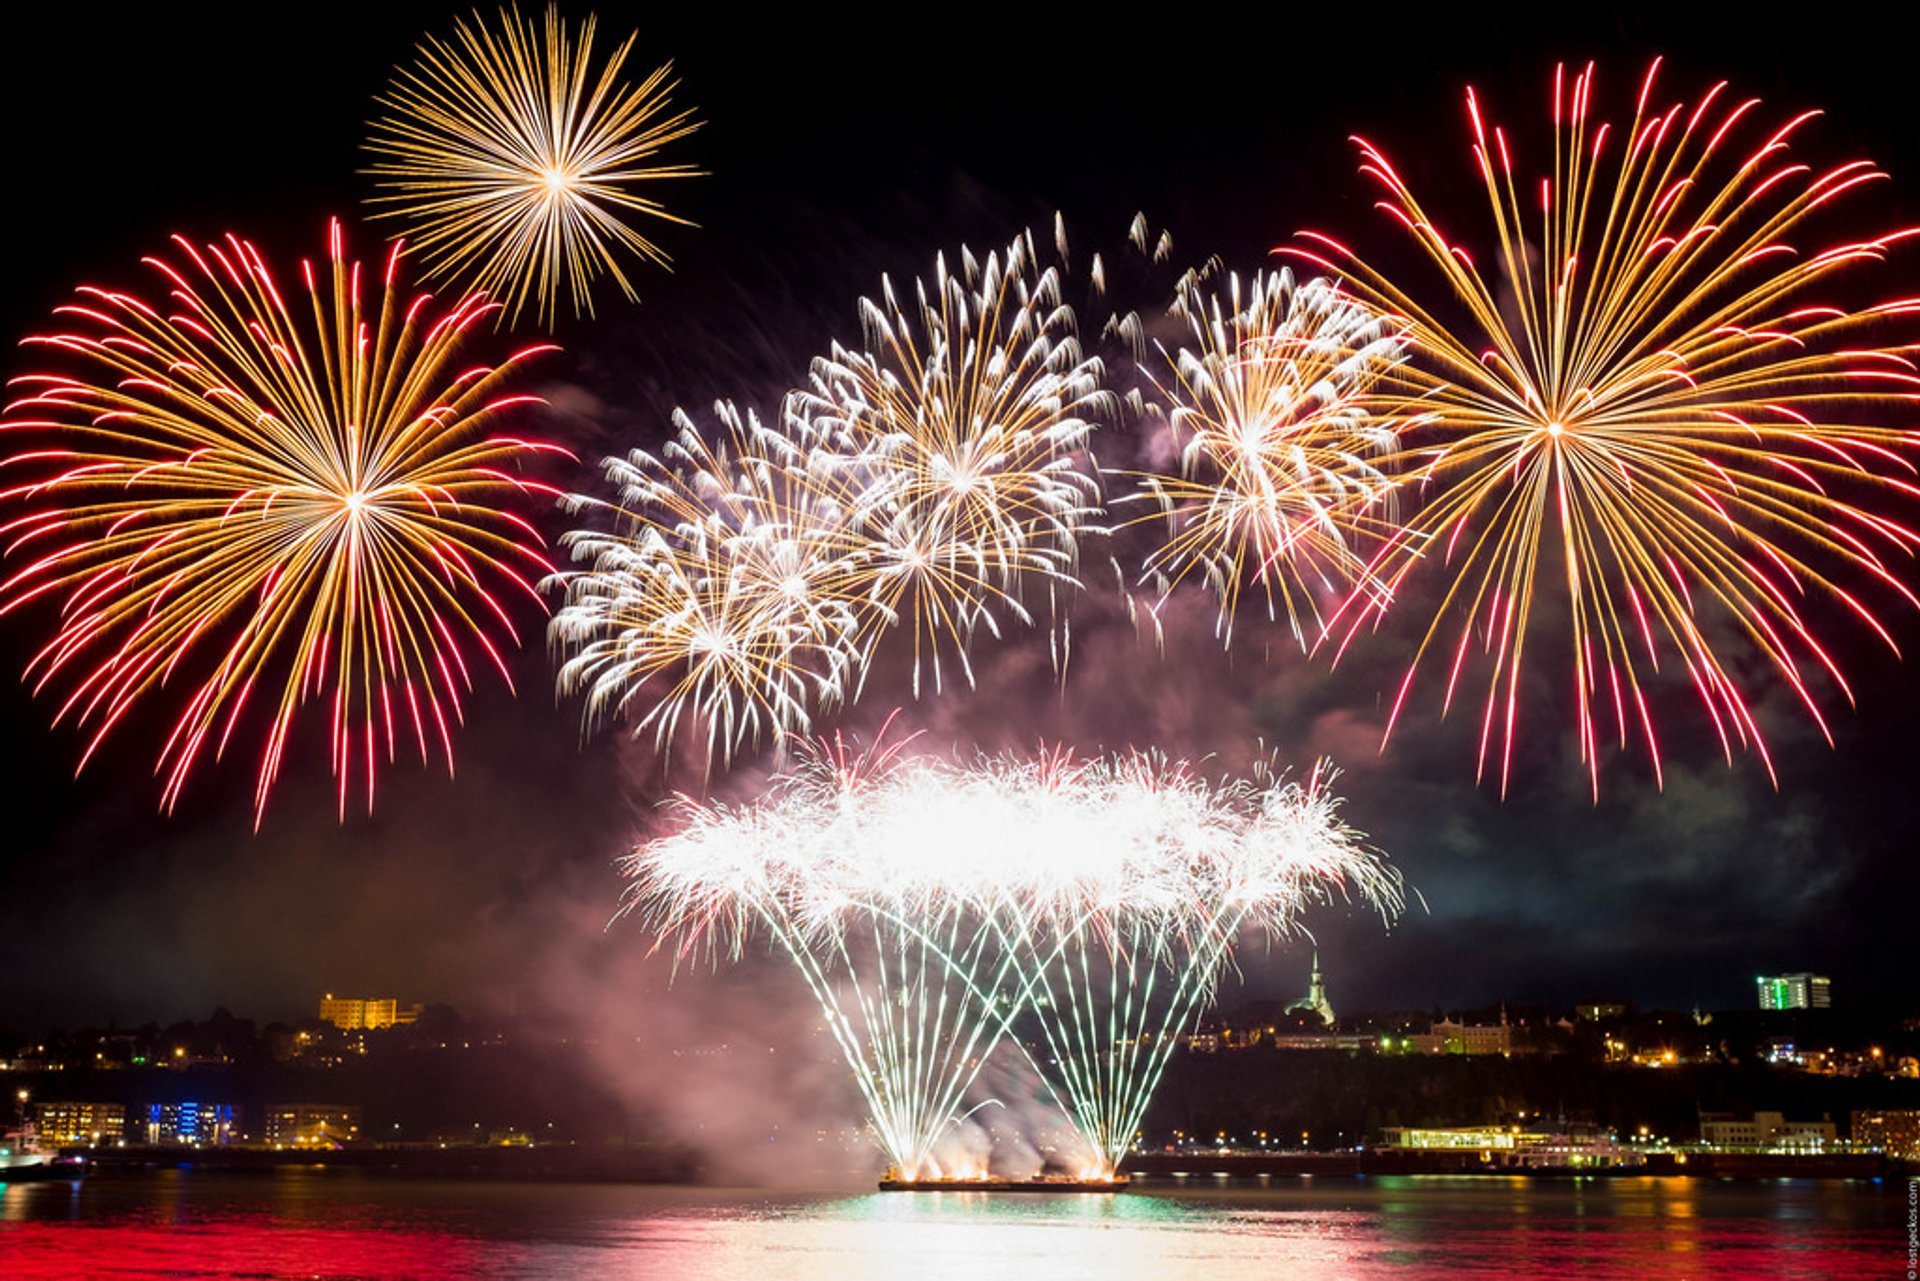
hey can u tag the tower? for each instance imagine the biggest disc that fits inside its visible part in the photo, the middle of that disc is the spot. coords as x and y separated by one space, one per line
1315 1001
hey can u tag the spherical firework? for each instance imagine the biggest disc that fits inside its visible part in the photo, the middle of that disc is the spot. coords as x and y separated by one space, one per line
229 504
517 167
1277 450
931 905
723 590
957 427
1668 406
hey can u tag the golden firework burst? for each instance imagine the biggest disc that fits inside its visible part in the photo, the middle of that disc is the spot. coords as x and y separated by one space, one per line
517 168
227 502
1671 405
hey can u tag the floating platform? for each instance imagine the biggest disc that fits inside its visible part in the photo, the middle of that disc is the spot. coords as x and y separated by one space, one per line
1118 1183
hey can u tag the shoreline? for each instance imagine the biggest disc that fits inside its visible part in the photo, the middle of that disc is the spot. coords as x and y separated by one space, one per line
560 1164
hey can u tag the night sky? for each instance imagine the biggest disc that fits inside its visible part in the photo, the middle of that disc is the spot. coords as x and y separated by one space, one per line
841 148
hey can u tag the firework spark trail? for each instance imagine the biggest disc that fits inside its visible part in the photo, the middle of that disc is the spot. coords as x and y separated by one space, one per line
930 904
1673 393
516 167
1278 450
1118 964
932 483
226 500
900 965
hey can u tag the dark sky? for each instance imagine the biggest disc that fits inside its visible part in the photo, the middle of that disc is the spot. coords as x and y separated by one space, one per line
841 147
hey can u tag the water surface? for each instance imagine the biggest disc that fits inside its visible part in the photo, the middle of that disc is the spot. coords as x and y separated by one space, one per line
322 1223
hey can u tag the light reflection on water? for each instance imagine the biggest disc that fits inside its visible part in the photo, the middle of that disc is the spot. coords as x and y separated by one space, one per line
338 1224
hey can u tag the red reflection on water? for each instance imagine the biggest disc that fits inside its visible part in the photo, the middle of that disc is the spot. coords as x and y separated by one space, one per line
41 1251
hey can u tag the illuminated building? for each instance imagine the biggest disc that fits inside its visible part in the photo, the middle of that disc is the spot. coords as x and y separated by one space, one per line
311 1125
353 1013
193 1124
1353 1042
1763 1130
1794 991
1895 1133
79 1125
1315 1001
1594 1011
1451 1037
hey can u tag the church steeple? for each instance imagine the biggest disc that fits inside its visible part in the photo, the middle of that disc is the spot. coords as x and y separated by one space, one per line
1316 998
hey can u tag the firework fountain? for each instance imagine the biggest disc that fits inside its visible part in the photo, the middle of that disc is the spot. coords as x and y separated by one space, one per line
934 907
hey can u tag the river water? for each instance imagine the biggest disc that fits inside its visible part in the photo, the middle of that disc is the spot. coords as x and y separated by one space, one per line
321 1223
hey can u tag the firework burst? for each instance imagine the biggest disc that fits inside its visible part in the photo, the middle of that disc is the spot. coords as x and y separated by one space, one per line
750 572
1277 446
1672 412
957 427
233 506
517 168
722 592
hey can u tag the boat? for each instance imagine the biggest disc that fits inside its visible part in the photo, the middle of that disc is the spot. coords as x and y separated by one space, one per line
1038 1183
23 1160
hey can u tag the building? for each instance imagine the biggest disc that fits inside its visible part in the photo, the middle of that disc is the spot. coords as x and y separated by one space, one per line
311 1125
1895 1133
1352 1042
1800 991
197 1125
1315 1001
80 1125
1450 1036
1595 1011
1764 1130
355 1013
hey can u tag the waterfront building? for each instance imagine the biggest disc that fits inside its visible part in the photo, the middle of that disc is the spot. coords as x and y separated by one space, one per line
79 1125
190 1124
1896 1133
1764 1131
311 1125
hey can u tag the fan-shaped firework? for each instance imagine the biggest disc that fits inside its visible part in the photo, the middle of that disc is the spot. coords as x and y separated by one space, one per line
957 424
722 591
931 905
517 167
1277 448
1676 403
228 502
